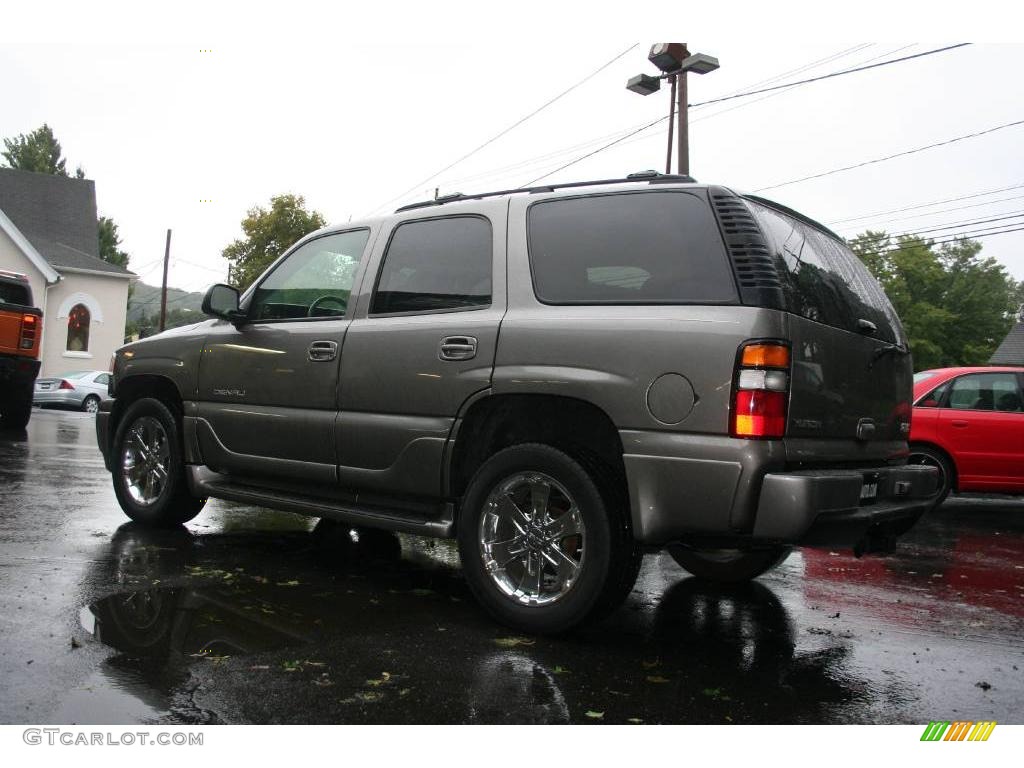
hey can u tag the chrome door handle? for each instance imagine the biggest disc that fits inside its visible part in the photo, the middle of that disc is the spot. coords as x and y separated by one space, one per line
457 348
322 351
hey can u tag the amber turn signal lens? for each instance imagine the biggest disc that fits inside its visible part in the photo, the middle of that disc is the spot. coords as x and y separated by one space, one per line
765 356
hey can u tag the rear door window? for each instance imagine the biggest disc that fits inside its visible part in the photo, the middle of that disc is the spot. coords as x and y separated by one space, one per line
822 279
436 265
638 248
985 392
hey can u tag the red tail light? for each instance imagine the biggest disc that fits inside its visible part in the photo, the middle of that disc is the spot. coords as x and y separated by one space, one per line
65 384
29 331
761 391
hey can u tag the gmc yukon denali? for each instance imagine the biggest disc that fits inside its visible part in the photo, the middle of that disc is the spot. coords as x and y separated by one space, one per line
558 377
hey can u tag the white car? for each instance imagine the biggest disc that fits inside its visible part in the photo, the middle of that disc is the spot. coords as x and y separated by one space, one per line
78 389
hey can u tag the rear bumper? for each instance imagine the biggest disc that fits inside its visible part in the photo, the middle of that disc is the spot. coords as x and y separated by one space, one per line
730 492
825 508
18 371
71 397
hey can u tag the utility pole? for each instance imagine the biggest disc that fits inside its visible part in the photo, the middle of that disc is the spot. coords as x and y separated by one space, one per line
671 124
163 287
682 112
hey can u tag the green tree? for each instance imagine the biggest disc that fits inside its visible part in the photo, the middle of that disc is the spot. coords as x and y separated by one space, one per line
110 240
956 306
268 233
38 151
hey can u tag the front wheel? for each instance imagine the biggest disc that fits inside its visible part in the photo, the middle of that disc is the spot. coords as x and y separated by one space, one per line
543 546
149 467
728 566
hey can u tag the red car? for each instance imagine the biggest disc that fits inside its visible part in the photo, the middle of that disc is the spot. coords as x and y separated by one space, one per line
969 422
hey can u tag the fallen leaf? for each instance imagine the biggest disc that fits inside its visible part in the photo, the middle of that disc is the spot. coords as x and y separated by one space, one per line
595 715
657 679
512 642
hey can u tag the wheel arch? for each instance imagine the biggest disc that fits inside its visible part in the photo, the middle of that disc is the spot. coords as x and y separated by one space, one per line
133 388
494 422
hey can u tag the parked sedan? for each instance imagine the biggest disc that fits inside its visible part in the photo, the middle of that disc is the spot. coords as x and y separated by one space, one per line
78 389
969 422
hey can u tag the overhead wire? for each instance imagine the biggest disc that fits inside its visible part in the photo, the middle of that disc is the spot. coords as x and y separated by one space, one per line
904 153
539 160
926 205
512 127
752 93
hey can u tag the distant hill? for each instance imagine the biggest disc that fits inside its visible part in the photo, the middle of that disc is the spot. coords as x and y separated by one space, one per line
145 301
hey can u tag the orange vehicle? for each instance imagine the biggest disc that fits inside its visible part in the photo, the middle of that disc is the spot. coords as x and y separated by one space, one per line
21 329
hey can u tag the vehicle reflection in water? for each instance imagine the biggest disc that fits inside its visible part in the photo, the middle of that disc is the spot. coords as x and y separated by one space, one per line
372 627
966 552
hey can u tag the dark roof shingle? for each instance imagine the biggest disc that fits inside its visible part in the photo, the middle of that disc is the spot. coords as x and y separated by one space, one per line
58 216
1011 351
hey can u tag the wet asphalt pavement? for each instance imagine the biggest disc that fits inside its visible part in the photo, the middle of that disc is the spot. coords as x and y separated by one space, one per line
253 616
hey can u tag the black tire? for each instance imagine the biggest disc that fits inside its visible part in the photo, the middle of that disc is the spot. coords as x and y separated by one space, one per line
91 404
170 503
933 457
16 407
609 561
728 566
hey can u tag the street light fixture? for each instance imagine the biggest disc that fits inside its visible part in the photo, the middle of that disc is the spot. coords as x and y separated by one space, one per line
675 61
645 85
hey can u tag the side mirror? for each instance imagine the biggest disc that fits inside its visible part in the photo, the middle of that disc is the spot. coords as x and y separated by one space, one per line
929 403
222 301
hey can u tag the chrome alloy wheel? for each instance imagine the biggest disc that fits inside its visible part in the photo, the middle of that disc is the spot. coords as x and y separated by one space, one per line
532 538
145 460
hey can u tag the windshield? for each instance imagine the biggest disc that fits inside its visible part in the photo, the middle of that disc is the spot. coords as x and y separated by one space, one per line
922 376
75 375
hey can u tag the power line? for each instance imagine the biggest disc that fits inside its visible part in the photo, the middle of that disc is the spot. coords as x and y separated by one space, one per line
927 205
951 240
832 74
512 127
956 225
752 93
538 160
942 210
893 156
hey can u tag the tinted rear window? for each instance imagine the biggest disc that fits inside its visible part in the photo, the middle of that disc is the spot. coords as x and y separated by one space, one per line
640 248
822 279
15 293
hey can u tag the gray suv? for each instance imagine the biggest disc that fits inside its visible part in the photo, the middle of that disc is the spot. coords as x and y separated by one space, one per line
558 377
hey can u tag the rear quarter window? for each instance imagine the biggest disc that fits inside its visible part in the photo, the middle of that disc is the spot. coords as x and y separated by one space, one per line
633 248
822 279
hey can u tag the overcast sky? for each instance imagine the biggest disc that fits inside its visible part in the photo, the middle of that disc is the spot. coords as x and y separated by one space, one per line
356 123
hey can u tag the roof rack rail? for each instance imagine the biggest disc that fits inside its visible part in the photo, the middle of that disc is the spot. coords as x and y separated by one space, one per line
651 177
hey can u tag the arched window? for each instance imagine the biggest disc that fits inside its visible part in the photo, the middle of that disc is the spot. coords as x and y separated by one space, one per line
78 329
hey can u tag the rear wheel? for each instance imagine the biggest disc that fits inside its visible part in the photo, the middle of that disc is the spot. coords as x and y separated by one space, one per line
728 566
16 406
932 457
149 467
91 404
543 546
